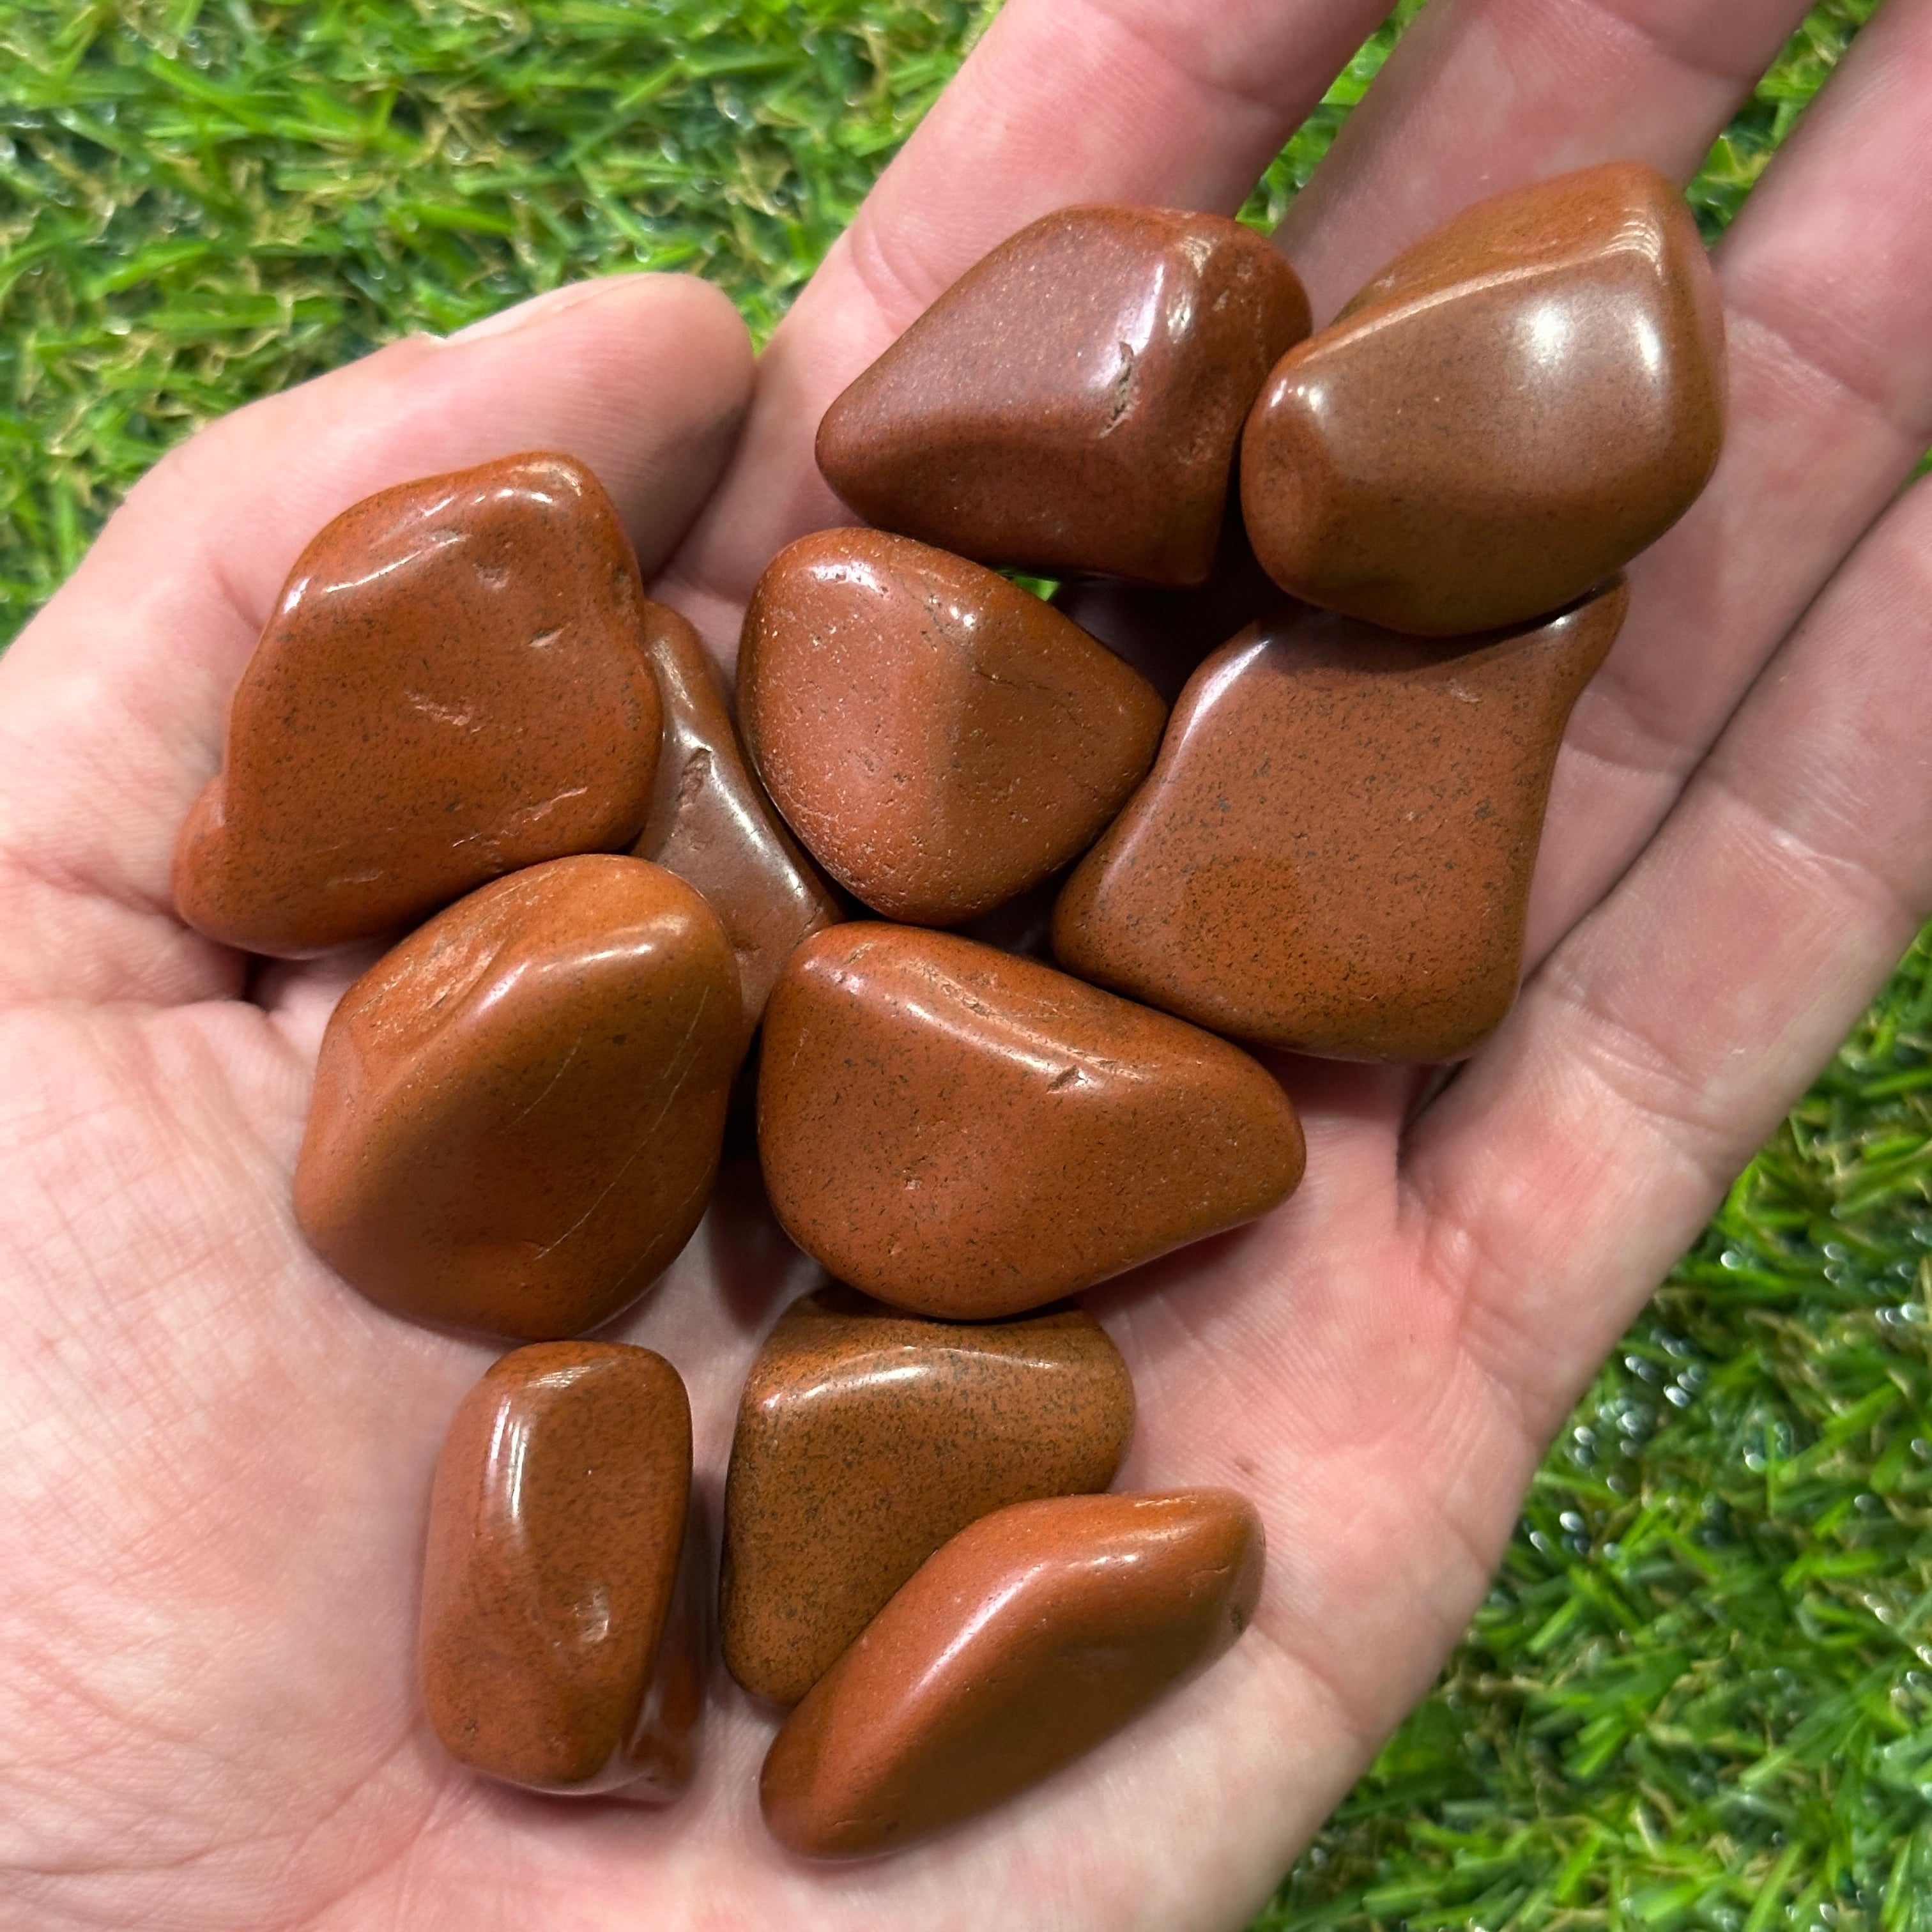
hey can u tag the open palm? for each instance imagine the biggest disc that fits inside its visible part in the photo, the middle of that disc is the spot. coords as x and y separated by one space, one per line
217 1456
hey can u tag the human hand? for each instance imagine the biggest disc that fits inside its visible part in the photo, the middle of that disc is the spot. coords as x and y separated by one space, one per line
220 1455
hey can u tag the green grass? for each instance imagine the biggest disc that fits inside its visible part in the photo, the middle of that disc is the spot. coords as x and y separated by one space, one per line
1699 1690
200 203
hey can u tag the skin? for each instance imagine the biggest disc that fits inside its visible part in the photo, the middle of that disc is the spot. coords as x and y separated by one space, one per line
212 1503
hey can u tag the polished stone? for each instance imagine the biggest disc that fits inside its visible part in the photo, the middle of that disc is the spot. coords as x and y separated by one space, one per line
967 1134
1333 852
518 1111
1073 402
1503 418
711 823
1027 1640
553 1654
940 739
866 1437
452 685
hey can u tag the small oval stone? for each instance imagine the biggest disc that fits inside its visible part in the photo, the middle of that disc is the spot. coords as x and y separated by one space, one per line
1032 1636
553 1653
865 1439
1072 403
453 685
1503 418
1333 852
967 1134
939 739
711 823
518 1111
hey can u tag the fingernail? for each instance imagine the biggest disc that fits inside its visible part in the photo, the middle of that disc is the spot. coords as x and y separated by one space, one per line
538 308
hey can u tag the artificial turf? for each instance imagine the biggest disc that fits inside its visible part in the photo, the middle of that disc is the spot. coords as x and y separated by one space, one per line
1700 1691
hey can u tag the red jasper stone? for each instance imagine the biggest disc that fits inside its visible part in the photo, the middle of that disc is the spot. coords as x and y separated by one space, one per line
1333 852
711 823
967 1134
1026 1640
518 1111
1073 402
939 739
1503 418
453 685
561 1647
866 1437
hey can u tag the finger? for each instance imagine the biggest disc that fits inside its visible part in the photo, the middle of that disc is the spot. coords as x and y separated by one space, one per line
1827 279
1063 101
1478 96
1665 1037
111 701
1481 95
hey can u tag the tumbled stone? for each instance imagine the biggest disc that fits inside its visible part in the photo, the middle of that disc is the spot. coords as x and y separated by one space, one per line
518 1111
1503 418
1027 1639
967 1134
939 739
1073 402
553 1652
1334 851
711 823
453 685
866 1438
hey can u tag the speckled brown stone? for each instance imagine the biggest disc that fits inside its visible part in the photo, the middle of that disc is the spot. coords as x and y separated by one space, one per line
1072 403
518 1111
966 1134
1503 418
940 739
551 1654
866 1437
453 684
712 824
1027 1639
1333 852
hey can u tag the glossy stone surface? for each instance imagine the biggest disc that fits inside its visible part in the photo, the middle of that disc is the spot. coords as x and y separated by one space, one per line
866 1438
556 1539
1333 852
1503 418
453 685
711 823
940 739
1029 1638
1072 403
518 1111
966 1134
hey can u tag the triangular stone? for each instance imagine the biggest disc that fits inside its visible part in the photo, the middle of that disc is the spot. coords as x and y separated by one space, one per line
967 1134
939 739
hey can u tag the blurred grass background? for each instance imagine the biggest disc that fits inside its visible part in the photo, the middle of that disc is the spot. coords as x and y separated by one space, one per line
1700 1691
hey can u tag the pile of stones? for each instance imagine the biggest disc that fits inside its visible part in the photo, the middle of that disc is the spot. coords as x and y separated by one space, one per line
465 725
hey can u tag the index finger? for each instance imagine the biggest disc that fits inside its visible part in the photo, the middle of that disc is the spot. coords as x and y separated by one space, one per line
1063 101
